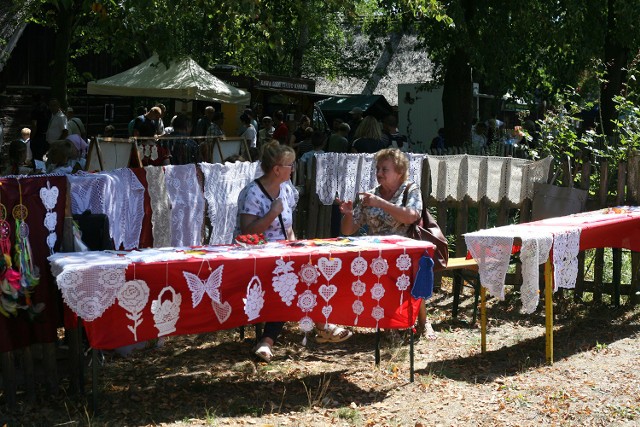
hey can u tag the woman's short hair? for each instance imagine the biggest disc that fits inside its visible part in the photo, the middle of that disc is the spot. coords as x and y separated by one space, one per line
398 158
272 153
368 128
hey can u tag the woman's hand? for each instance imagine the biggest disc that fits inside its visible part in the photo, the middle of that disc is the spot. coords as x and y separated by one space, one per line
346 207
370 200
277 206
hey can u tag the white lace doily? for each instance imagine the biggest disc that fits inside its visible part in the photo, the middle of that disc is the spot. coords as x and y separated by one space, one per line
222 186
254 301
160 207
49 197
133 297
166 311
187 205
285 280
210 286
88 281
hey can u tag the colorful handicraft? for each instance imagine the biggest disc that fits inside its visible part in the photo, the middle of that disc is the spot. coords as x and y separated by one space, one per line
30 274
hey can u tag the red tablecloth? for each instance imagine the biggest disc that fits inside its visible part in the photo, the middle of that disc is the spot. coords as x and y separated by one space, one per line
114 327
605 228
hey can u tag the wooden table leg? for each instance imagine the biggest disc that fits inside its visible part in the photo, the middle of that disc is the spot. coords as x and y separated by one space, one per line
548 309
483 319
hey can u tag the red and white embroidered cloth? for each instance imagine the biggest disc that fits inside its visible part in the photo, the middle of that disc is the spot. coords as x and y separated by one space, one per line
564 237
151 293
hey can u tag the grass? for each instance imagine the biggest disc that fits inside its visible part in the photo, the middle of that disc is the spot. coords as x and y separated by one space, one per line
349 414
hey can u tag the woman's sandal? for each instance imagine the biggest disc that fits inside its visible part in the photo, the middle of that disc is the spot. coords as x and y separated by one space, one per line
332 333
263 351
426 330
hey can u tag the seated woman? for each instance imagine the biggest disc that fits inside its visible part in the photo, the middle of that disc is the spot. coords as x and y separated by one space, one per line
266 206
382 210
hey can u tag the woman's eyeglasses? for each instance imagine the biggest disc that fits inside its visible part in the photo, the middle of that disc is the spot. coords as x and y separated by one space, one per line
292 165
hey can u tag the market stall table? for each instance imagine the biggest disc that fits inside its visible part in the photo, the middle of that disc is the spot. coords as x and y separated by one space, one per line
554 241
129 297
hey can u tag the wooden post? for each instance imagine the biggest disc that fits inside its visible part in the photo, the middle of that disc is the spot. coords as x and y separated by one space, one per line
548 309
584 184
599 257
633 198
617 253
483 319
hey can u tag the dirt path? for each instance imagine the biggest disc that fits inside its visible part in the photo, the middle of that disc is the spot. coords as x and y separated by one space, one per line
211 379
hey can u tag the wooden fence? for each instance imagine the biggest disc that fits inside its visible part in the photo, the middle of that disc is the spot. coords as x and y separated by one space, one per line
608 185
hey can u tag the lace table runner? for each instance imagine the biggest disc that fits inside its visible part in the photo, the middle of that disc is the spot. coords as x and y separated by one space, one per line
492 248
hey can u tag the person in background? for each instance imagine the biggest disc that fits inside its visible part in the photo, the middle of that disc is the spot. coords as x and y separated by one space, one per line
75 125
140 111
335 124
40 116
281 132
338 142
25 138
266 131
184 150
301 131
368 136
57 129
159 123
437 143
109 131
382 208
318 141
250 134
479 139
145 126
266 206
305 145
17 160
391 137
204 122
356 119
215 128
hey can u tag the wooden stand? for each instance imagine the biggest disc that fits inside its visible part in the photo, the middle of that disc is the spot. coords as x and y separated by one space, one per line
112 153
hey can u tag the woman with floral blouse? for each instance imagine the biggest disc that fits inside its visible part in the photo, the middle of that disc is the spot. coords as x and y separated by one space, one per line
382 210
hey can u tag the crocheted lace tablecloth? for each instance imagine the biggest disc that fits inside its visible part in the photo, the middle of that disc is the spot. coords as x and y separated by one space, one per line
89 280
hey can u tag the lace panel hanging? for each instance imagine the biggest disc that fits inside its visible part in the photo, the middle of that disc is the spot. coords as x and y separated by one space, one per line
222 186
160 207
187 203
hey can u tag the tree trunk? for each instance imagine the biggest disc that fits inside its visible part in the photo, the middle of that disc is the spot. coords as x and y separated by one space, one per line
59 72
457 99
380 70
615 59
303 40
